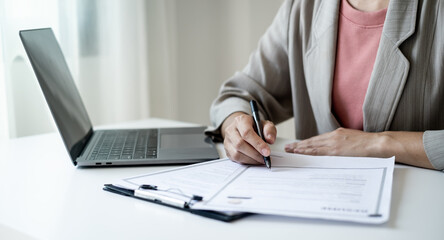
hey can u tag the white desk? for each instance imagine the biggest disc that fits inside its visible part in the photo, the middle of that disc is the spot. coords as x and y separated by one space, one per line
43 196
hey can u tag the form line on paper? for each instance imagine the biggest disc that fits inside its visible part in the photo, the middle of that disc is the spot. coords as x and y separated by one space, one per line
238 197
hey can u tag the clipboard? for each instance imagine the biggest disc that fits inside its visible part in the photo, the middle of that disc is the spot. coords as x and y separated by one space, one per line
221 216
351 189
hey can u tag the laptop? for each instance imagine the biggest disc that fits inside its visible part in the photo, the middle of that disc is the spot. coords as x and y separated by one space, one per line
88 147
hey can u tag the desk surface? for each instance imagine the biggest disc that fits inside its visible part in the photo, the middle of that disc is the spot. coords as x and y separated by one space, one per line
44 196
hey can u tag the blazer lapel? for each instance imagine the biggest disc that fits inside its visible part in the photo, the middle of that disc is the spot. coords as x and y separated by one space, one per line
320 65
391 67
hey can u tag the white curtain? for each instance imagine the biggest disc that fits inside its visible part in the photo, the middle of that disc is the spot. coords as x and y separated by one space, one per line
20 102
113 67
104 43
130 59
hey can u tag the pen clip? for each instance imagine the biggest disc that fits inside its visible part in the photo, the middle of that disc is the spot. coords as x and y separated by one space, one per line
256 119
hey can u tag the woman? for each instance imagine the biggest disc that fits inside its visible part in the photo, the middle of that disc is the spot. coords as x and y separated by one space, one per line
360 77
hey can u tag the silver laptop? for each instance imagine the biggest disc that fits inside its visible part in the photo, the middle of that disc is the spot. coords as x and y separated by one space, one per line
88 147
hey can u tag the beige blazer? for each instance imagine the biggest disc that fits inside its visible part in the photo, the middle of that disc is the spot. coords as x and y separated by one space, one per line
291 72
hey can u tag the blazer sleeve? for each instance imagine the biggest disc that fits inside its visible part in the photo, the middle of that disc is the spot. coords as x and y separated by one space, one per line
264 79
434 148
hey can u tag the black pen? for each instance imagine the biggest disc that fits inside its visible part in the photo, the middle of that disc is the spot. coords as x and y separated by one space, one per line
258 126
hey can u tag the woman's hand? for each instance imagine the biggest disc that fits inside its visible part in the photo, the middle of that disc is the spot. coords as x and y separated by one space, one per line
341 142
407 147
241 142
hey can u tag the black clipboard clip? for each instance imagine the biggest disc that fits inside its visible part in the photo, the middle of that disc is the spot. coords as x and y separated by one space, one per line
155 197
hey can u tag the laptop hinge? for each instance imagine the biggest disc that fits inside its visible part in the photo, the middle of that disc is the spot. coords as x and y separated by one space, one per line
79 147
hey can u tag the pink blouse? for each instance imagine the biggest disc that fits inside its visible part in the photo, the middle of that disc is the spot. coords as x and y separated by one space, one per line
358 40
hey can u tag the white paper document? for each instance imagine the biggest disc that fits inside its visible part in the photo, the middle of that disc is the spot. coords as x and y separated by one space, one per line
334 188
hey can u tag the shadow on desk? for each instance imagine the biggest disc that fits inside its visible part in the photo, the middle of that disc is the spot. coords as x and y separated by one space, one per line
399 180
9 233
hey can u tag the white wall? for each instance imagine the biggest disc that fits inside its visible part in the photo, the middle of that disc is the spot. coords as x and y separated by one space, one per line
205 43
4 132
213 40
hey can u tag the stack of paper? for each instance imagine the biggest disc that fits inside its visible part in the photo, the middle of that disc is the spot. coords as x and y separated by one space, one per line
335 188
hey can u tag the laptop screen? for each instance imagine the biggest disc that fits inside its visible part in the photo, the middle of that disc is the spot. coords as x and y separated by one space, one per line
58 87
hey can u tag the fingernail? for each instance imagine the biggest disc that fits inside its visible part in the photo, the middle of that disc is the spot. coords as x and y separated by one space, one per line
265 152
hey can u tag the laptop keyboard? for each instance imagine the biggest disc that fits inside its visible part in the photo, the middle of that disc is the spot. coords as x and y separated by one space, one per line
126 144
